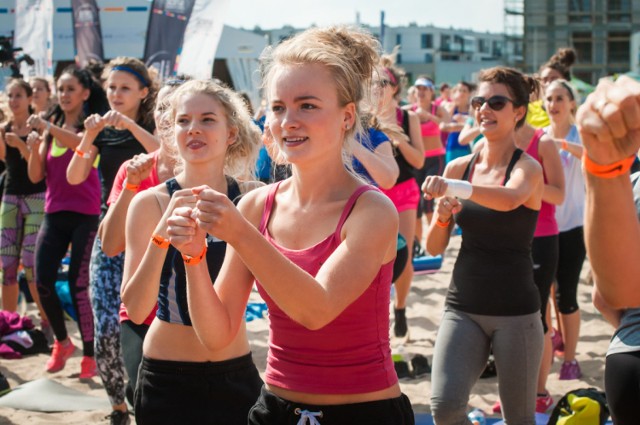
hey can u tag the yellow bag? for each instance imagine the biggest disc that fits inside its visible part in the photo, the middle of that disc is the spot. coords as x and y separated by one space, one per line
587 406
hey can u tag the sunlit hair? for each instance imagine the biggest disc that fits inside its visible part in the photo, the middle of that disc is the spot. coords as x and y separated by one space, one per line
142 76
19 82
351 56
520 86
241 155
561 61
572 93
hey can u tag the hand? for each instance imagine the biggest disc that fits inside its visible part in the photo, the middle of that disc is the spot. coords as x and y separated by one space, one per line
33 141
447 206
35 122
184 233
216 214
139 168
94 124
609 121
13 140
116 120
434 187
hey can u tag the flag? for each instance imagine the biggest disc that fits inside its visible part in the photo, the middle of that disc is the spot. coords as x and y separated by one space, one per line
87 34
201 38
34 34
165 33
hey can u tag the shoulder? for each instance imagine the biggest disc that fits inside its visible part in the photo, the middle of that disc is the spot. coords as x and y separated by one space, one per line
455 169
252 203
529 165
373 213
152 200
248 186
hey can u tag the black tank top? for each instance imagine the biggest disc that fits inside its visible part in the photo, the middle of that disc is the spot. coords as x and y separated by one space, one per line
407 171
172 298
17 180
493 274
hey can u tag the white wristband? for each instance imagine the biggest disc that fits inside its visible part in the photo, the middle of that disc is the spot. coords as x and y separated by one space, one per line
459 188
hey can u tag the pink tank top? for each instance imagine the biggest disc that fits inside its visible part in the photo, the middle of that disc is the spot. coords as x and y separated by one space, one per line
351 354
547 224
429 128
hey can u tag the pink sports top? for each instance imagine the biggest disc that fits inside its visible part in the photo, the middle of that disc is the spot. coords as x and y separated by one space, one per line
429 128
350 355
547 224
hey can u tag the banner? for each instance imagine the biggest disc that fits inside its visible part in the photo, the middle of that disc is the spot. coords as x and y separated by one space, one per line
202 37
34 34
165 34
87 34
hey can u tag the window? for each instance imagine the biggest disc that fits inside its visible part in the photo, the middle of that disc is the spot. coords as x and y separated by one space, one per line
618 11
618 47
428 58
580 11
398 39
583 45
445 43
484 46
450 57
497 48
427 41
398 58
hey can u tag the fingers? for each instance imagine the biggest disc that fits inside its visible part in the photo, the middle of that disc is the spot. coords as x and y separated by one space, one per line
434 187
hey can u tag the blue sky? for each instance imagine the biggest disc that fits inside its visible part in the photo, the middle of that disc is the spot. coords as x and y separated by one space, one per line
479 15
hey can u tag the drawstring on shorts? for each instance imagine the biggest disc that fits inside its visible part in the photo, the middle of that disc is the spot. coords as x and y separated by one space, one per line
307 415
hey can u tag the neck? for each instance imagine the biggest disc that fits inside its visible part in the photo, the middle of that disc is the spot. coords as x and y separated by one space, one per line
425 103
336 181
497 153
71 118
388 113
204 173
560 130
20 119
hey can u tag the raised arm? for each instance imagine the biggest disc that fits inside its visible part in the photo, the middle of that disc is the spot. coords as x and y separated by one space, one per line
609 125
380 163
80 166
66 138
36 164
554 189
412 149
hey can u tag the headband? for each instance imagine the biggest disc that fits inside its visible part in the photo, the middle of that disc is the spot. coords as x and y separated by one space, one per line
566 86
132 72
391 77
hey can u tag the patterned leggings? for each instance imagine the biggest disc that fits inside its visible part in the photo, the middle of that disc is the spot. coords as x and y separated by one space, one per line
106 277
20 220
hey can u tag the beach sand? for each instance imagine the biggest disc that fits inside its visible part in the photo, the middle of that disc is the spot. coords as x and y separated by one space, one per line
424 310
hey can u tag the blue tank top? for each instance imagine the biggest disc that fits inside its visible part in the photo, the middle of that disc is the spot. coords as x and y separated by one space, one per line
172 298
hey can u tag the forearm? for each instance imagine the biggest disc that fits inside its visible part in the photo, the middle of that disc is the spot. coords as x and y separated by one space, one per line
112 228
382 169
79 168
612 237
467 136
553 194
140 293
498 198
415 157
35 167
64 137
437 236
146 139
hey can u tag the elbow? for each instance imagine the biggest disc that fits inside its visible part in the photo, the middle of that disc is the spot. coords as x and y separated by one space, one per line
73 180
110 250
388 182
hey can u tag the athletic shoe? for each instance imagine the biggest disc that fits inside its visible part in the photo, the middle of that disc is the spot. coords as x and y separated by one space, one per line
88 367
59 356
420 366
544 403
402 370
4 385
118 417
570 370
400 328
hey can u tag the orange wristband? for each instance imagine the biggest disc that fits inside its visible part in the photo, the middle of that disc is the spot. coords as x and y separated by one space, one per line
192 261
159 241
608 171
565 145
132 187
443 224
84 155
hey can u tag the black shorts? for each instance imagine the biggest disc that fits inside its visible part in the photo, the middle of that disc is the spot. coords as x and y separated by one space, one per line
271 409
171 392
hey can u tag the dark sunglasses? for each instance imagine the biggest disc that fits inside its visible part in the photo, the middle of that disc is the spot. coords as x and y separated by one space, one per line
382 83
497 103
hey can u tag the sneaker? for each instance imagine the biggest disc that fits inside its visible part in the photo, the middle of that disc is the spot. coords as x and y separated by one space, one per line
544 403
570 370
59 356
88 367
497 408
400 326
420 366
118 417
402 370
4 385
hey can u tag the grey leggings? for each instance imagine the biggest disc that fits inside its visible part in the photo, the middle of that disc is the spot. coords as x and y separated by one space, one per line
461 353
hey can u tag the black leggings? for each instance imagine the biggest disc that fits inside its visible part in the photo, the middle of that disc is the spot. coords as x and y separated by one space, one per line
131 339
58 231
572 253
544 251
622 386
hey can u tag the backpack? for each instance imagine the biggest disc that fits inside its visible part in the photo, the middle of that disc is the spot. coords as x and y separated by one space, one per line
585 406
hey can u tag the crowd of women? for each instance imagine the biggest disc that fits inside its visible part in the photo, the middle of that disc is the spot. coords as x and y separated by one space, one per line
151 192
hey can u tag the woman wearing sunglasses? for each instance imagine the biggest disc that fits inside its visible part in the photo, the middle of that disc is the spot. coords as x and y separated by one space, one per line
494 196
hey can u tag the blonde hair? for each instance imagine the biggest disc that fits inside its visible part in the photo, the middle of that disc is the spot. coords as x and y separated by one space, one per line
140 72
350 54
242 154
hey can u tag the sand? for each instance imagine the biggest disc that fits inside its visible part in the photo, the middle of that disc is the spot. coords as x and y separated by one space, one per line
424 309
